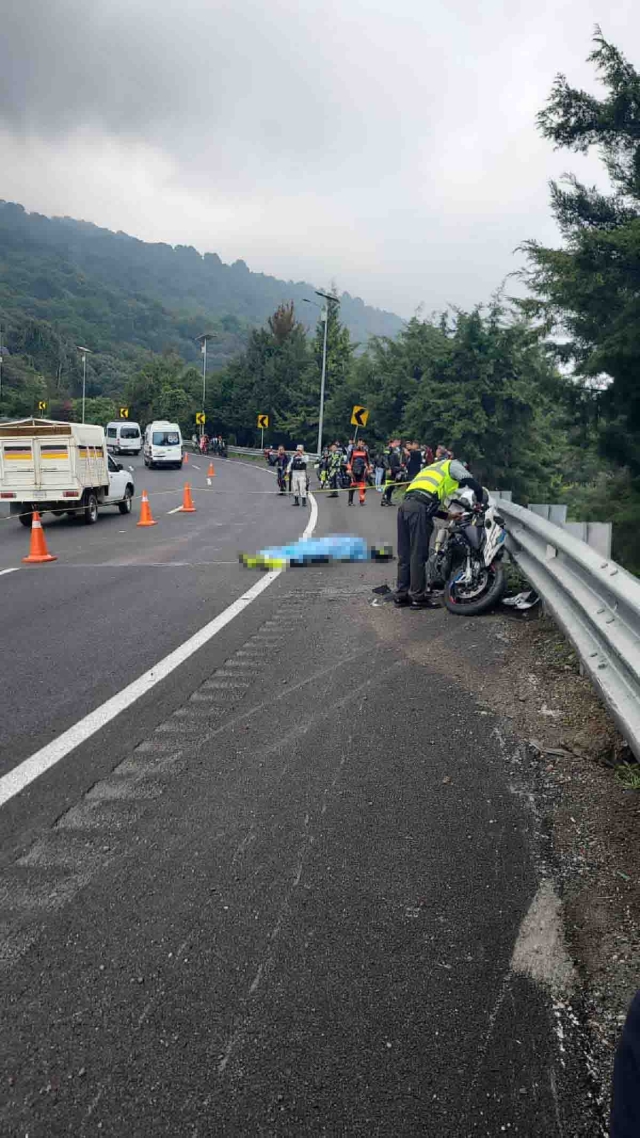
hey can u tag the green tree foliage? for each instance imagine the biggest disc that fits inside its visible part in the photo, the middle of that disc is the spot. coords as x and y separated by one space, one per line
99 410
588 289
272 377
164 389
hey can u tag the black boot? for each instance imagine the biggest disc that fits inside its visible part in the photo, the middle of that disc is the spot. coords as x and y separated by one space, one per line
296 502
304 501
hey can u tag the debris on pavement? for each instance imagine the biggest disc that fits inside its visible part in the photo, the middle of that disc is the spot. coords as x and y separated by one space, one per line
522 601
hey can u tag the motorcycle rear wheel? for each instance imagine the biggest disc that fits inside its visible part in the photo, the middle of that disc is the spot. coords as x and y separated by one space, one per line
480 601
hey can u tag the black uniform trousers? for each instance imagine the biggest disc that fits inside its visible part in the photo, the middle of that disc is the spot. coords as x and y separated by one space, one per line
415 526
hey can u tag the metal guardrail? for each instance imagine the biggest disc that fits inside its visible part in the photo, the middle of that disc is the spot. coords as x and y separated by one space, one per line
252 451
595 601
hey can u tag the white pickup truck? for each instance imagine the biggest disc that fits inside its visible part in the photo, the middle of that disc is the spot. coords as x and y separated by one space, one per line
62 467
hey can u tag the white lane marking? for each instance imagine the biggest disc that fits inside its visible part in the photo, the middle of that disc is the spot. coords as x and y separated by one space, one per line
30 769
313 518
14 570
194 466
175 511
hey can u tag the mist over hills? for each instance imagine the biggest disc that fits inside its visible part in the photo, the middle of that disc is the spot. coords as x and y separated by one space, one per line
111 289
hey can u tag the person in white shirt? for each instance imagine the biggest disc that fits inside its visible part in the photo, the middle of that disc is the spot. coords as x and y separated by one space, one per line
298 470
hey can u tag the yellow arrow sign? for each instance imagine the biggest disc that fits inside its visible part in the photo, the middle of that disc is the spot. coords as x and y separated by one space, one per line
42 405
263 422
359 417
201 418
124 412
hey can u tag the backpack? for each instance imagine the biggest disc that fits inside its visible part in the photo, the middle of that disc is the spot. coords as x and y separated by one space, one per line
358 466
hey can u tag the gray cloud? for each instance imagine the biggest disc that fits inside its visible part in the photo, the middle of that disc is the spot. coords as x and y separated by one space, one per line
390 144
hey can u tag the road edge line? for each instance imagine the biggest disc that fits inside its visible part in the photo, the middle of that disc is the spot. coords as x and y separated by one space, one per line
43 760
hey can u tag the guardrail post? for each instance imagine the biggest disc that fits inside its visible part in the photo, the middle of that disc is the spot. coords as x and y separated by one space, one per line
599 537
558 514
577 529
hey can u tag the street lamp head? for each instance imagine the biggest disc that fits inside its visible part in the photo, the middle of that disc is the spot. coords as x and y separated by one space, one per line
81 349
327 296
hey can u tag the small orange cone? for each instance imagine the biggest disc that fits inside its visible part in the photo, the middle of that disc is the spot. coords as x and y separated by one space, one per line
38 551
146 518
211 472
186 458
187 506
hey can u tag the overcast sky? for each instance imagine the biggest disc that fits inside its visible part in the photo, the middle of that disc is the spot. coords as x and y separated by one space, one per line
389 145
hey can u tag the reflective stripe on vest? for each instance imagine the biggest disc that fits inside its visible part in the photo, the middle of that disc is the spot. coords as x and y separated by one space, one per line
436 480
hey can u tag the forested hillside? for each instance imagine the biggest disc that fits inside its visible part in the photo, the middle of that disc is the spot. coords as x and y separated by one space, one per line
109 286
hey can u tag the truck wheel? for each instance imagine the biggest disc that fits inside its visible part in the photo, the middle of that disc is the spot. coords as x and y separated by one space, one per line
125 505
26 518
90 514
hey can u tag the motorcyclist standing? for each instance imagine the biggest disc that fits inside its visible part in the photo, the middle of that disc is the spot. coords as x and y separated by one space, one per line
281 464
334 467
424 496
358 469
297 468
394 459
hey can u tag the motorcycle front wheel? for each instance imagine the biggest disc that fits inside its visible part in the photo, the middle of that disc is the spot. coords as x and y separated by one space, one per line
471 600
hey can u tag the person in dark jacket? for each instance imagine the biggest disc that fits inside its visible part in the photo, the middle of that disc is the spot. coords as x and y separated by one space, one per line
394 469
414 462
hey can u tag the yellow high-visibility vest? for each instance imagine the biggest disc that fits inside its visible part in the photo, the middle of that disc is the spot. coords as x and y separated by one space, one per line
435 480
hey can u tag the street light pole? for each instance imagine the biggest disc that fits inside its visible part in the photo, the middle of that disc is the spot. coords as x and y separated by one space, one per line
84 374
324 315
203 348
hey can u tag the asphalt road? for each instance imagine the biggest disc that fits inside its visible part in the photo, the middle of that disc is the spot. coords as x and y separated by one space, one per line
280 893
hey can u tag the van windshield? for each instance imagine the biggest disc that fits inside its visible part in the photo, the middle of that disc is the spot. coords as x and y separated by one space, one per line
112 432
129 433
165 439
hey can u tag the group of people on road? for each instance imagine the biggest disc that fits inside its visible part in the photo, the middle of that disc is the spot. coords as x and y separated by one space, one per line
356 467
206 444
429 482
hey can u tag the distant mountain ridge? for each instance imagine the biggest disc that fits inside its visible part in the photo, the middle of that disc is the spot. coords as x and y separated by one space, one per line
178 279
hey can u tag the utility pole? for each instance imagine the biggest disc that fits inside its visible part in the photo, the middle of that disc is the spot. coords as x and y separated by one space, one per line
203 348
324 316
85 352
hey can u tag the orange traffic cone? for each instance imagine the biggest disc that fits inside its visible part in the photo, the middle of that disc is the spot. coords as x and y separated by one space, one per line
146 518
38 551
211 472
186 458
187 506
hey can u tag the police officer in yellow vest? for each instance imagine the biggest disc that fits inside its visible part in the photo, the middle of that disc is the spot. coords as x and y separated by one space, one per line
424 497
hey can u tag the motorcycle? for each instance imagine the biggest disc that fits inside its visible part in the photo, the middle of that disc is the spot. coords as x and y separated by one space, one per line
467 556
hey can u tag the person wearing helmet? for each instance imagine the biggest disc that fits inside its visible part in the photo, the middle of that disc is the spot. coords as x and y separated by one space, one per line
298 471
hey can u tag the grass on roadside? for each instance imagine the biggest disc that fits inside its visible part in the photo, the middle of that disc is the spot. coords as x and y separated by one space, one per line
628 775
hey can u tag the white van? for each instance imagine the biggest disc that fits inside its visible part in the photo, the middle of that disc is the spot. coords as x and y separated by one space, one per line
163 444
124 437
